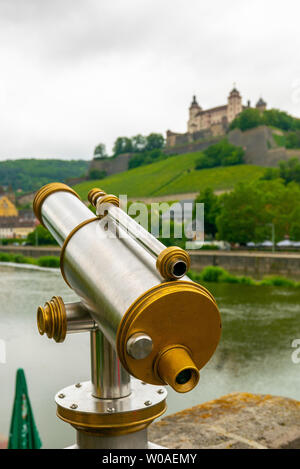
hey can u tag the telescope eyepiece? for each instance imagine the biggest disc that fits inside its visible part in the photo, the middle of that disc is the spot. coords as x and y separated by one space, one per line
184 376
173 263
179 269
176 367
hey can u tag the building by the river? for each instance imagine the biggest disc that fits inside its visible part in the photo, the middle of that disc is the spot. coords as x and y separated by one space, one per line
14 223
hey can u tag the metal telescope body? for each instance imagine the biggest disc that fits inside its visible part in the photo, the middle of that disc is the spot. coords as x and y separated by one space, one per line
149 324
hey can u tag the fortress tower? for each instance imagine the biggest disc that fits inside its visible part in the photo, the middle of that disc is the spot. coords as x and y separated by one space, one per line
216 117
234 106
212 122
194 110
261 105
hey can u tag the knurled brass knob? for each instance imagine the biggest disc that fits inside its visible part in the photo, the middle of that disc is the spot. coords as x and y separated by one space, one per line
52 319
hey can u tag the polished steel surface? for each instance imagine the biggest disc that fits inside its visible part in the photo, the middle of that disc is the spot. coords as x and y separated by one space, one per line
139 346
62 212
82 396
135 440
131 228
109 379
78 318
107 269
108 272
114 215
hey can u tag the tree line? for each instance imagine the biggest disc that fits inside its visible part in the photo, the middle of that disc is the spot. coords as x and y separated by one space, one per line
222 153
30 174
247 213
250 118
145 149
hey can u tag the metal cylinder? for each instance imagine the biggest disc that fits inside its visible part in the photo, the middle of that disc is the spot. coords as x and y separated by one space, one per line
57 318
107 273
172 262
109 379
78 318
118 282
136 231
60 210
137 440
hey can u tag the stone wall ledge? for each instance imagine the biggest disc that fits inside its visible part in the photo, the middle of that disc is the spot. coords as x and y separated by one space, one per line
234 421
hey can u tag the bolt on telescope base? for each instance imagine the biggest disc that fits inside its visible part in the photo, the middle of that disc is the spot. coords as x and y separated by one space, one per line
111 423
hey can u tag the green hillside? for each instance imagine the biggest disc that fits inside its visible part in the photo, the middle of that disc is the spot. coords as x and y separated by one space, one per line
30 174
172 176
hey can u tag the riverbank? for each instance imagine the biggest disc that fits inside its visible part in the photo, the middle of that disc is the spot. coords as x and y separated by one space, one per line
44 261
256 264
214 274
31 251
209 274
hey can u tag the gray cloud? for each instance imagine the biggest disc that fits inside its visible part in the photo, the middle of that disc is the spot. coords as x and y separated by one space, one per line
76 72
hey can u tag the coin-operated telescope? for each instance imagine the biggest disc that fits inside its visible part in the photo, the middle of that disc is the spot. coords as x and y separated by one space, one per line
149 324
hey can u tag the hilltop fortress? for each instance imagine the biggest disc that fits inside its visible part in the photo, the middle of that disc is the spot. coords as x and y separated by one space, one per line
211 122
206 127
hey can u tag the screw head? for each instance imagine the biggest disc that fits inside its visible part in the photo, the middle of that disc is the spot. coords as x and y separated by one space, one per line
160 391
78 385
139 346
147 403
73 406
61 395
110 409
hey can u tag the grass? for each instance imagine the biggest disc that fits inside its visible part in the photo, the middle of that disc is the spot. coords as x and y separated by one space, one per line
208 274
280 140
219 275
44 261
173 175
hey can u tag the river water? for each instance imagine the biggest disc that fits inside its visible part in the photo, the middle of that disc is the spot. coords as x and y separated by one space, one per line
254 355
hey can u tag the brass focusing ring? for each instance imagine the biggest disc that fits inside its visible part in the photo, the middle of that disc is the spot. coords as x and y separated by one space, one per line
44 192
52 319
94 195
64 246
168 259
109 199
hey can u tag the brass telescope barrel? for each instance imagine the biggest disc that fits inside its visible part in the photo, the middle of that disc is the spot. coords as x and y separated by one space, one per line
118 282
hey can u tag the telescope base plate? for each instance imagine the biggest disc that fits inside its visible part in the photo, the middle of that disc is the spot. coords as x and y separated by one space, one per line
77 406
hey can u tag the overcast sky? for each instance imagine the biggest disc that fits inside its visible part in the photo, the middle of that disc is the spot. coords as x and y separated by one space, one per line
74 73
